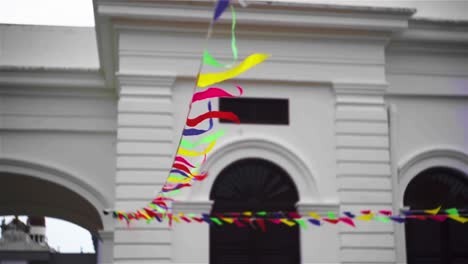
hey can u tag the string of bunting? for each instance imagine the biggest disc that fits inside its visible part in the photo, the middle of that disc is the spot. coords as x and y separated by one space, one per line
293 218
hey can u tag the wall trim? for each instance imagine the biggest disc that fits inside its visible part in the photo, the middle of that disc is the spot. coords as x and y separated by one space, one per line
264 148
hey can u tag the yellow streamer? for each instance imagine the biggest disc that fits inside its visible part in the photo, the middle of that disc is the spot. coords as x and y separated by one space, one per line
175 180
186 152
206 79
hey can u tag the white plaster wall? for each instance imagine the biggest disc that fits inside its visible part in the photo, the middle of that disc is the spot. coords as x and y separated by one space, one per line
73 134
429 110
310 136
48 46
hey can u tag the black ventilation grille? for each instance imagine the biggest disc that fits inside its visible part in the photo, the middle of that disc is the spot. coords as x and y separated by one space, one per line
257 110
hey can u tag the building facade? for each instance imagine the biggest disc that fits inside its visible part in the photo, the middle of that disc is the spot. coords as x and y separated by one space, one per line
376 99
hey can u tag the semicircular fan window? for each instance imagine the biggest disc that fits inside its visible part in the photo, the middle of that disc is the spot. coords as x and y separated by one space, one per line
437 187
254 185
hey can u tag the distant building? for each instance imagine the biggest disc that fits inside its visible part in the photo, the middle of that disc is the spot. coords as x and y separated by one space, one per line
26 244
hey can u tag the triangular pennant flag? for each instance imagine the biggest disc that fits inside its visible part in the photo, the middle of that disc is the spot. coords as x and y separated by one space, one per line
398 219
314 222
459 218
287 222
439 218
348 221
452 211
314 215
433 211
331 221
301 222
349 214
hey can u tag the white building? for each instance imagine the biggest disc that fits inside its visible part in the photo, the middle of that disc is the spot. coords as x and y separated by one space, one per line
375 99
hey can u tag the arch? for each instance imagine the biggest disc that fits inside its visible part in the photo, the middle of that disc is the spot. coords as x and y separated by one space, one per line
433 157
434 241
260 148
265 183
254 185
30 172
411 166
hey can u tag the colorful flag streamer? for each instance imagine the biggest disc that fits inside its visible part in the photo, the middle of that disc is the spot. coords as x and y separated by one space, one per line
183 172
185 168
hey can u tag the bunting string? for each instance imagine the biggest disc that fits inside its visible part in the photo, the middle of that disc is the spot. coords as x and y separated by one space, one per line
293 218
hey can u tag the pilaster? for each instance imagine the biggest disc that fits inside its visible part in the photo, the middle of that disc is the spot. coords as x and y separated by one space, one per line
144 154
363 170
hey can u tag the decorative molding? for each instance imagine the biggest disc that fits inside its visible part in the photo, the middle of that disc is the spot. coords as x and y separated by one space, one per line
319 208
266 13
51 77
159 79
306 59
430 153
264 148
196 207
359 88
106 235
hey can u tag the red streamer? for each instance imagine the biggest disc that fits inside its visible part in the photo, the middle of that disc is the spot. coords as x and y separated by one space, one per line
212 114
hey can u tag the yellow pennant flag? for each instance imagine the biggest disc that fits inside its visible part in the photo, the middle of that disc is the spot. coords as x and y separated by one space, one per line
206 79
459 218
227 220
288 222
365 217
433 211
314 215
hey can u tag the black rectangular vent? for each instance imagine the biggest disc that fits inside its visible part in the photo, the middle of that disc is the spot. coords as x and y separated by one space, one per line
257 110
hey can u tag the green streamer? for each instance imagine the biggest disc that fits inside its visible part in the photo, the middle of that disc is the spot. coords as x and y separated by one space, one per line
233 34
205 140
262 213
208 59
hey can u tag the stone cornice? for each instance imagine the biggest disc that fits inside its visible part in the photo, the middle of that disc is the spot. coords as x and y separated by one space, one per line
264 13
51 77
424 35
162 79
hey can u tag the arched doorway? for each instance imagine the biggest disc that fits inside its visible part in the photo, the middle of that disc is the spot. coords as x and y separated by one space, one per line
254 185
432 242
30 196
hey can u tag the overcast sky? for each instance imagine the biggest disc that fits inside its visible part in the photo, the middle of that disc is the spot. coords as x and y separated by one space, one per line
80 12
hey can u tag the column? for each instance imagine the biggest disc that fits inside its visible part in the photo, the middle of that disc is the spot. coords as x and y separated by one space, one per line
144 155
363 170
